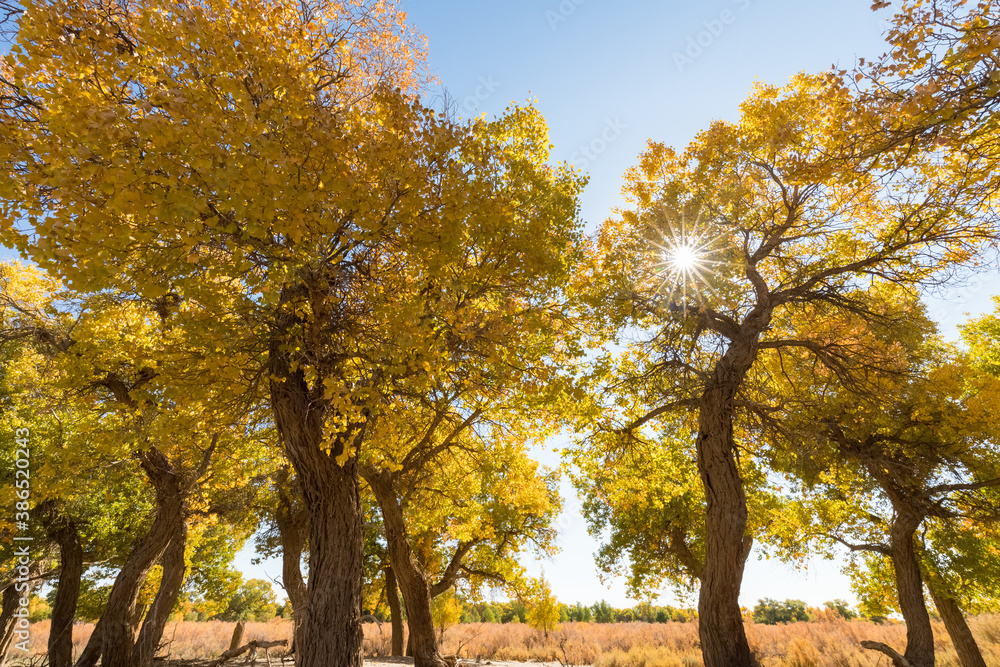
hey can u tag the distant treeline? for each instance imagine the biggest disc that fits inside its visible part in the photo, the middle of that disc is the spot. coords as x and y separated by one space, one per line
601 612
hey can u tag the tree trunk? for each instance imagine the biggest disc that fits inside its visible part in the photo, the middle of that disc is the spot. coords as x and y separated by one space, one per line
60 645
395 613
954 621
910 589
293 527
11 599
113 640
331 635
12 595
412 581
174 571
727 544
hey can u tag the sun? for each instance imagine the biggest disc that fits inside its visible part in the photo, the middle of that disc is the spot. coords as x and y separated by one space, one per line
684 257
683 263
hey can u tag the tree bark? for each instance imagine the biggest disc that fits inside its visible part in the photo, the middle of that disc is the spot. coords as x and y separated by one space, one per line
174 571
12 594
326 466
727 544
331 635
60 645
412 580
395 612
293 527
10 604
965 644
113 640
910 589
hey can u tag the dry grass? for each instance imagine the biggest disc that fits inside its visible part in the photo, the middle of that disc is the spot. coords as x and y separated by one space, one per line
819 644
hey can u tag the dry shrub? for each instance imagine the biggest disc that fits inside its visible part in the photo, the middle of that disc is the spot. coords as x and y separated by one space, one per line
831 643
801 653
645 644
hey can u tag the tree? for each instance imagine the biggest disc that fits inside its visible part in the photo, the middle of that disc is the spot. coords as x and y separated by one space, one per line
603 613
842 607
772 612
877 467
446 610
255 601
319 219
544 609
463 517
122 380
790 226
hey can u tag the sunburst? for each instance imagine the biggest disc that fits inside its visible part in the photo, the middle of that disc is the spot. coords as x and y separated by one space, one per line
683 263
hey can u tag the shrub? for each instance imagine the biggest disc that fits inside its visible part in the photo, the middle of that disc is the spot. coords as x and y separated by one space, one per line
772 612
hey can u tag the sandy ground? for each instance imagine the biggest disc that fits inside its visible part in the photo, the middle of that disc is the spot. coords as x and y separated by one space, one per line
369 662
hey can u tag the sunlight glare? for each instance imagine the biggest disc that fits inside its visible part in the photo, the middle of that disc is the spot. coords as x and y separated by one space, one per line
684 257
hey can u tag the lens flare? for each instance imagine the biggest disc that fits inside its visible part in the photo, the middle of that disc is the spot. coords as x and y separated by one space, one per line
684 258
682 264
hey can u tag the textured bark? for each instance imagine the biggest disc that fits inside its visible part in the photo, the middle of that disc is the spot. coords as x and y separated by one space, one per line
113 640
60 645
171 582
954 621
293 527
727 544
910 589
10 604
331 635
12 594
413 582
236 641
395 612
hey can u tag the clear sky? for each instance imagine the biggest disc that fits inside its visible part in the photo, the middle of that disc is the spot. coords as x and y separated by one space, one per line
608 76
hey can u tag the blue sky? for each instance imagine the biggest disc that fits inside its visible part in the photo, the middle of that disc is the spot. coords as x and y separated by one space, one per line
608 76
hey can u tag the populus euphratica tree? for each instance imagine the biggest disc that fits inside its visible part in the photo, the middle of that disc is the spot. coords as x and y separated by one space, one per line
258 168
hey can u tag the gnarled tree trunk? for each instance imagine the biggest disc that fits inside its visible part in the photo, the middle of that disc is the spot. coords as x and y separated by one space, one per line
910 588
965 644
174 571
727 544
293 527
395 612
113 640
412 580
60 644
331 635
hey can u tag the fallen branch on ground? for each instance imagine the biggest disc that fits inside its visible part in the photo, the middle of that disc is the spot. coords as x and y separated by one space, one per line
255 644
897 659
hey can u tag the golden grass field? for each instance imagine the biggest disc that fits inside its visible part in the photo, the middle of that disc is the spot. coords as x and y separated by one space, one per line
827 643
